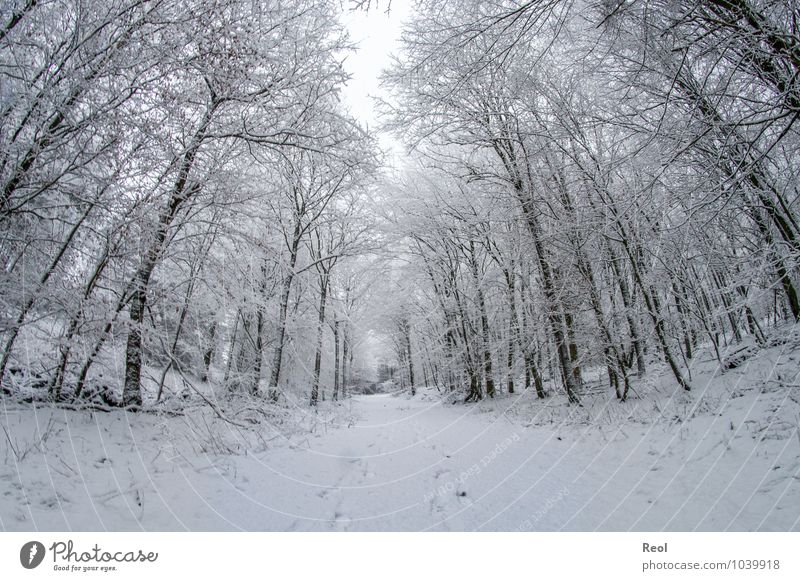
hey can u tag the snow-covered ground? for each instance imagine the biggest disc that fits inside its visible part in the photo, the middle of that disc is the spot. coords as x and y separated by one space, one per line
725 457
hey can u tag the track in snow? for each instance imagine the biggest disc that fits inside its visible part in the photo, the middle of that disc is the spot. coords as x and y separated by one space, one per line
408 464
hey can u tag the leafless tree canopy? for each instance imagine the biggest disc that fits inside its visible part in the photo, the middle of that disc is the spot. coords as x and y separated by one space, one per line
589 185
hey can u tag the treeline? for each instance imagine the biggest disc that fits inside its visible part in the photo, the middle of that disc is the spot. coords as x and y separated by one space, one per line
600 184
180 186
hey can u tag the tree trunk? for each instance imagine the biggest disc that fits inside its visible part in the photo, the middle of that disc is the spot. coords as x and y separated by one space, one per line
555 317
631 316
513 328
614 360
208 354
475 392
573 346
336 361
651 300
508 155
277 357
181 191
323 296
407 334
260 329
485 332
346 360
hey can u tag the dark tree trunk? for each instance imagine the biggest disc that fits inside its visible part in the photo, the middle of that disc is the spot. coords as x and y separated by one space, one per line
407 333
485 332
181 191
513 327
336 360
346 360
323 297
259 358
208 354
277 357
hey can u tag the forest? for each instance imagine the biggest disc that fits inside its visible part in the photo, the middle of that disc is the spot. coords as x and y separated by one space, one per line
593 196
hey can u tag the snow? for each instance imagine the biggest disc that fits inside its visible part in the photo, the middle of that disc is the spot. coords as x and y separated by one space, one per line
723 457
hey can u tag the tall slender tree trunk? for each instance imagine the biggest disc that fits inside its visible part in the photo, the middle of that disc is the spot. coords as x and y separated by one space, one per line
407 346
346 356
485 331
323 297
569 322
752 323
260 329
336 360
181 191
528 352
631 316
614 360
283 309
555 316
650 297
507 153
756 178
439 291
475 392
513 327
259 354
208 354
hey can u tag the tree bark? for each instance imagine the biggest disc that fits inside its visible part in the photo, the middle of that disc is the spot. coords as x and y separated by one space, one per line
181 191
346 355
277 357
513 327
323 296
407 336
336 360
208 354
485 332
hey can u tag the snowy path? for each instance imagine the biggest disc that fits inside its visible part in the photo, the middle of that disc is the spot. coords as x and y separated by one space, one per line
409 464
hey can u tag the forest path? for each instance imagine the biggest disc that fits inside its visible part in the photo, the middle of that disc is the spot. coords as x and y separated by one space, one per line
400 463
421 464
412 464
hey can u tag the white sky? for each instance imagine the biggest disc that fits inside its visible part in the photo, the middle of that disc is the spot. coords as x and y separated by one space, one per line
377 35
